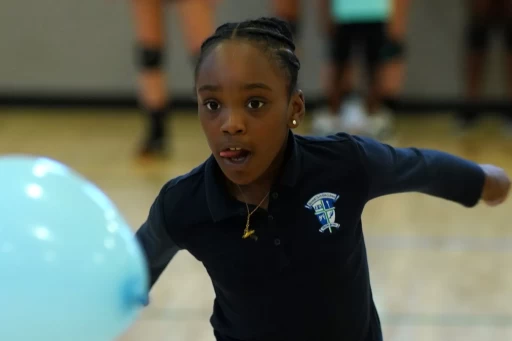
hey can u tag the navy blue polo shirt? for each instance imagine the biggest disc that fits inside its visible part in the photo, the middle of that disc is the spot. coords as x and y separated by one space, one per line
305 278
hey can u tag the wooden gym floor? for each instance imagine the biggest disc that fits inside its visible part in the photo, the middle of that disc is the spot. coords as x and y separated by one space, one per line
439 271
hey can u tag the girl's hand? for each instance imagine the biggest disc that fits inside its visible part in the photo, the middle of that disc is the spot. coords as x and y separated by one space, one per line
496 185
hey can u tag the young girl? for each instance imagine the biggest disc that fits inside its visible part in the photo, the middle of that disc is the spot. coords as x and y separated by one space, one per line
275 217
197 20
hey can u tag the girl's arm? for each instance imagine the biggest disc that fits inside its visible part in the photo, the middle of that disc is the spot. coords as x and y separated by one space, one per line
155 241
397 170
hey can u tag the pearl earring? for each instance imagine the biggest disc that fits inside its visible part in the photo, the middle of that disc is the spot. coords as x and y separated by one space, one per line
294 122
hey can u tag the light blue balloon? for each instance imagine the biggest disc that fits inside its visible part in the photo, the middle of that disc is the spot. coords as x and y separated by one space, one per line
70 266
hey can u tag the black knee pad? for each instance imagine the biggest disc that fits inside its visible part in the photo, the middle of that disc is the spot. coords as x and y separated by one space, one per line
149 58
477 35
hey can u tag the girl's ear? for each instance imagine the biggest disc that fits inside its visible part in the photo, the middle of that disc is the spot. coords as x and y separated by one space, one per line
297 109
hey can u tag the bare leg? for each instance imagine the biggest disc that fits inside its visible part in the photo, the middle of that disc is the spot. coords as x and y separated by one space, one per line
374 43
288 10
336 87
373 101
393 71
198 23
480 13
149 31
339 85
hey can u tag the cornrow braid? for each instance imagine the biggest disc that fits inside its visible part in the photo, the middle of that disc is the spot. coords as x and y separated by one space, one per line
274 36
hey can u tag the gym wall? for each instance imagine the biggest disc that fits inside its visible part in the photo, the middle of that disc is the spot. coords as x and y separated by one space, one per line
61 48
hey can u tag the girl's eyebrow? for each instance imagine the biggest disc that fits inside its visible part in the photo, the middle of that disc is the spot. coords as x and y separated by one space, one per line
257 86
250 86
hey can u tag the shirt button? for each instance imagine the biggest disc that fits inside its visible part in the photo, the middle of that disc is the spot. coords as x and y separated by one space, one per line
277 242
275 195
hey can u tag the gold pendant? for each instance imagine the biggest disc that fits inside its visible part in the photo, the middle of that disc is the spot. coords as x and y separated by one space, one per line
248 233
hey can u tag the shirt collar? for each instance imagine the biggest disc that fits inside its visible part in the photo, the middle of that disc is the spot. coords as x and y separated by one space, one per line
222 205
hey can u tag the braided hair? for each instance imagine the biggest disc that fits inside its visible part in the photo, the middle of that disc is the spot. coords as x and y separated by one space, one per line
274 36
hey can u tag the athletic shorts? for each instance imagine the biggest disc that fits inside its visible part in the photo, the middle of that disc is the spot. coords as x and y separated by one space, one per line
370 38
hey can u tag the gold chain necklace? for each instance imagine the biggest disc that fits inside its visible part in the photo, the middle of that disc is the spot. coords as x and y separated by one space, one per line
247 232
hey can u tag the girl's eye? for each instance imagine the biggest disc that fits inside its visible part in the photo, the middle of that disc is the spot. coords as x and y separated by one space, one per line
212 106
254 104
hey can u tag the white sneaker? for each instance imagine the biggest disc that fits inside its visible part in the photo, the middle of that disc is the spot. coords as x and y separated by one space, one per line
381 124
324 123
354 119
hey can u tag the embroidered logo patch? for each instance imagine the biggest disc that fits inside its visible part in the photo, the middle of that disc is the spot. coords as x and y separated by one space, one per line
323 206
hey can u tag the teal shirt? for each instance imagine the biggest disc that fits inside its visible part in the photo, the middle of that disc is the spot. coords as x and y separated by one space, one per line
353 11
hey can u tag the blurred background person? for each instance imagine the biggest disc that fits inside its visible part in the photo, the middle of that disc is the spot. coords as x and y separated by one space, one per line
197 20
355 26
483 17
375 31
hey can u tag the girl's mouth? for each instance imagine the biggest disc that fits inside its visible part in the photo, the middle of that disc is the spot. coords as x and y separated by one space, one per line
235 155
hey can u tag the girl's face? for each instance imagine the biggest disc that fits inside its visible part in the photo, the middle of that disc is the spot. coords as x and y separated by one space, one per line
245 109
